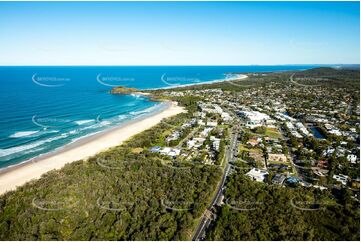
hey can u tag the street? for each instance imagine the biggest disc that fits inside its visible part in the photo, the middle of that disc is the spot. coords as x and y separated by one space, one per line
205 220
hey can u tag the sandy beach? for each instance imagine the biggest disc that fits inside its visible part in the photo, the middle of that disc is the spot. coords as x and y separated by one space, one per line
237 78
18 175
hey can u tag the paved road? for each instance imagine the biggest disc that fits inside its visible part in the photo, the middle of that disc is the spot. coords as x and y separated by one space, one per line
205 221
203 224
191 134
299 84
291 155
348 110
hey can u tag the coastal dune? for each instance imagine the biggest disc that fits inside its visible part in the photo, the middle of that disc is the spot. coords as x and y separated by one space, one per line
18 175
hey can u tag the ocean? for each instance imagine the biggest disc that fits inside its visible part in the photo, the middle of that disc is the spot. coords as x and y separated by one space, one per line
45 108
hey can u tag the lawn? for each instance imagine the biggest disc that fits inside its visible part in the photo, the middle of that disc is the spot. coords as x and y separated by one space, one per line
242 147
273 133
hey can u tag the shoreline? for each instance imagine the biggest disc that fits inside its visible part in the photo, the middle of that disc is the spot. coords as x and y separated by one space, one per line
21 173
239 77
83 139
99 133
33 168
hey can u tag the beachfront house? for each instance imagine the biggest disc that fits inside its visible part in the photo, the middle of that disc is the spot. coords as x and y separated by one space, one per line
174 136
172 152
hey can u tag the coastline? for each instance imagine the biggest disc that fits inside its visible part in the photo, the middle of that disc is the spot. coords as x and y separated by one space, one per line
87 146
19 174
141 92
83 139
239 77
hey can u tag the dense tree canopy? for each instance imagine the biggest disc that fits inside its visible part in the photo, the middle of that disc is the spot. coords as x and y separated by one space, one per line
116 195
258 211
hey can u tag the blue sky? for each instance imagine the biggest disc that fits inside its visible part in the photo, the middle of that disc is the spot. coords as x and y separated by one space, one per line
179 33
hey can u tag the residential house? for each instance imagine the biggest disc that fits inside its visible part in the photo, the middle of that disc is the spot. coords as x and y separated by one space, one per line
278 179
341 178
257 174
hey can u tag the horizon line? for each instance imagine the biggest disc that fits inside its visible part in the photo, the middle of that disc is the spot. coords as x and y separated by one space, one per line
188 65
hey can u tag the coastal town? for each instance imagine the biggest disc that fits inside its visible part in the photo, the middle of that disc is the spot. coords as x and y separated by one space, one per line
180 120
277 150
270 140
284 135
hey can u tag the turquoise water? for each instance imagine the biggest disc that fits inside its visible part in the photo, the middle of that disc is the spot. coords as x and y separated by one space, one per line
44 108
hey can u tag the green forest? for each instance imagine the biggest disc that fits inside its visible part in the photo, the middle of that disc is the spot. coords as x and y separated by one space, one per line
259 211
326 77
131 193
125 193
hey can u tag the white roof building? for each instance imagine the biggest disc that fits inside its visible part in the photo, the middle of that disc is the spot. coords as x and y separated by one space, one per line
226 117
283 117
170 151
341 178
328 151
205 132
352 158
174 136
212 124
257 174
195 142
290 125
296 134
218 109
201 122
303 129
333 130
216 142
254 118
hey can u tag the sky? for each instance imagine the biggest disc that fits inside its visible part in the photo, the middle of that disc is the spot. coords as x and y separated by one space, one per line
179 33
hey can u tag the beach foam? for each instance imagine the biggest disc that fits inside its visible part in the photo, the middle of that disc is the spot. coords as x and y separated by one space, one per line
18 149
23 134
147 110
18 175
81 122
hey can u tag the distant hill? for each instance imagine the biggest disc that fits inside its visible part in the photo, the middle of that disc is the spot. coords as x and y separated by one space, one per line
337 77
330 72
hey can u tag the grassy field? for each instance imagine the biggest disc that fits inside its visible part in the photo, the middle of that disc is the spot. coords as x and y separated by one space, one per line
242 147
272 133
